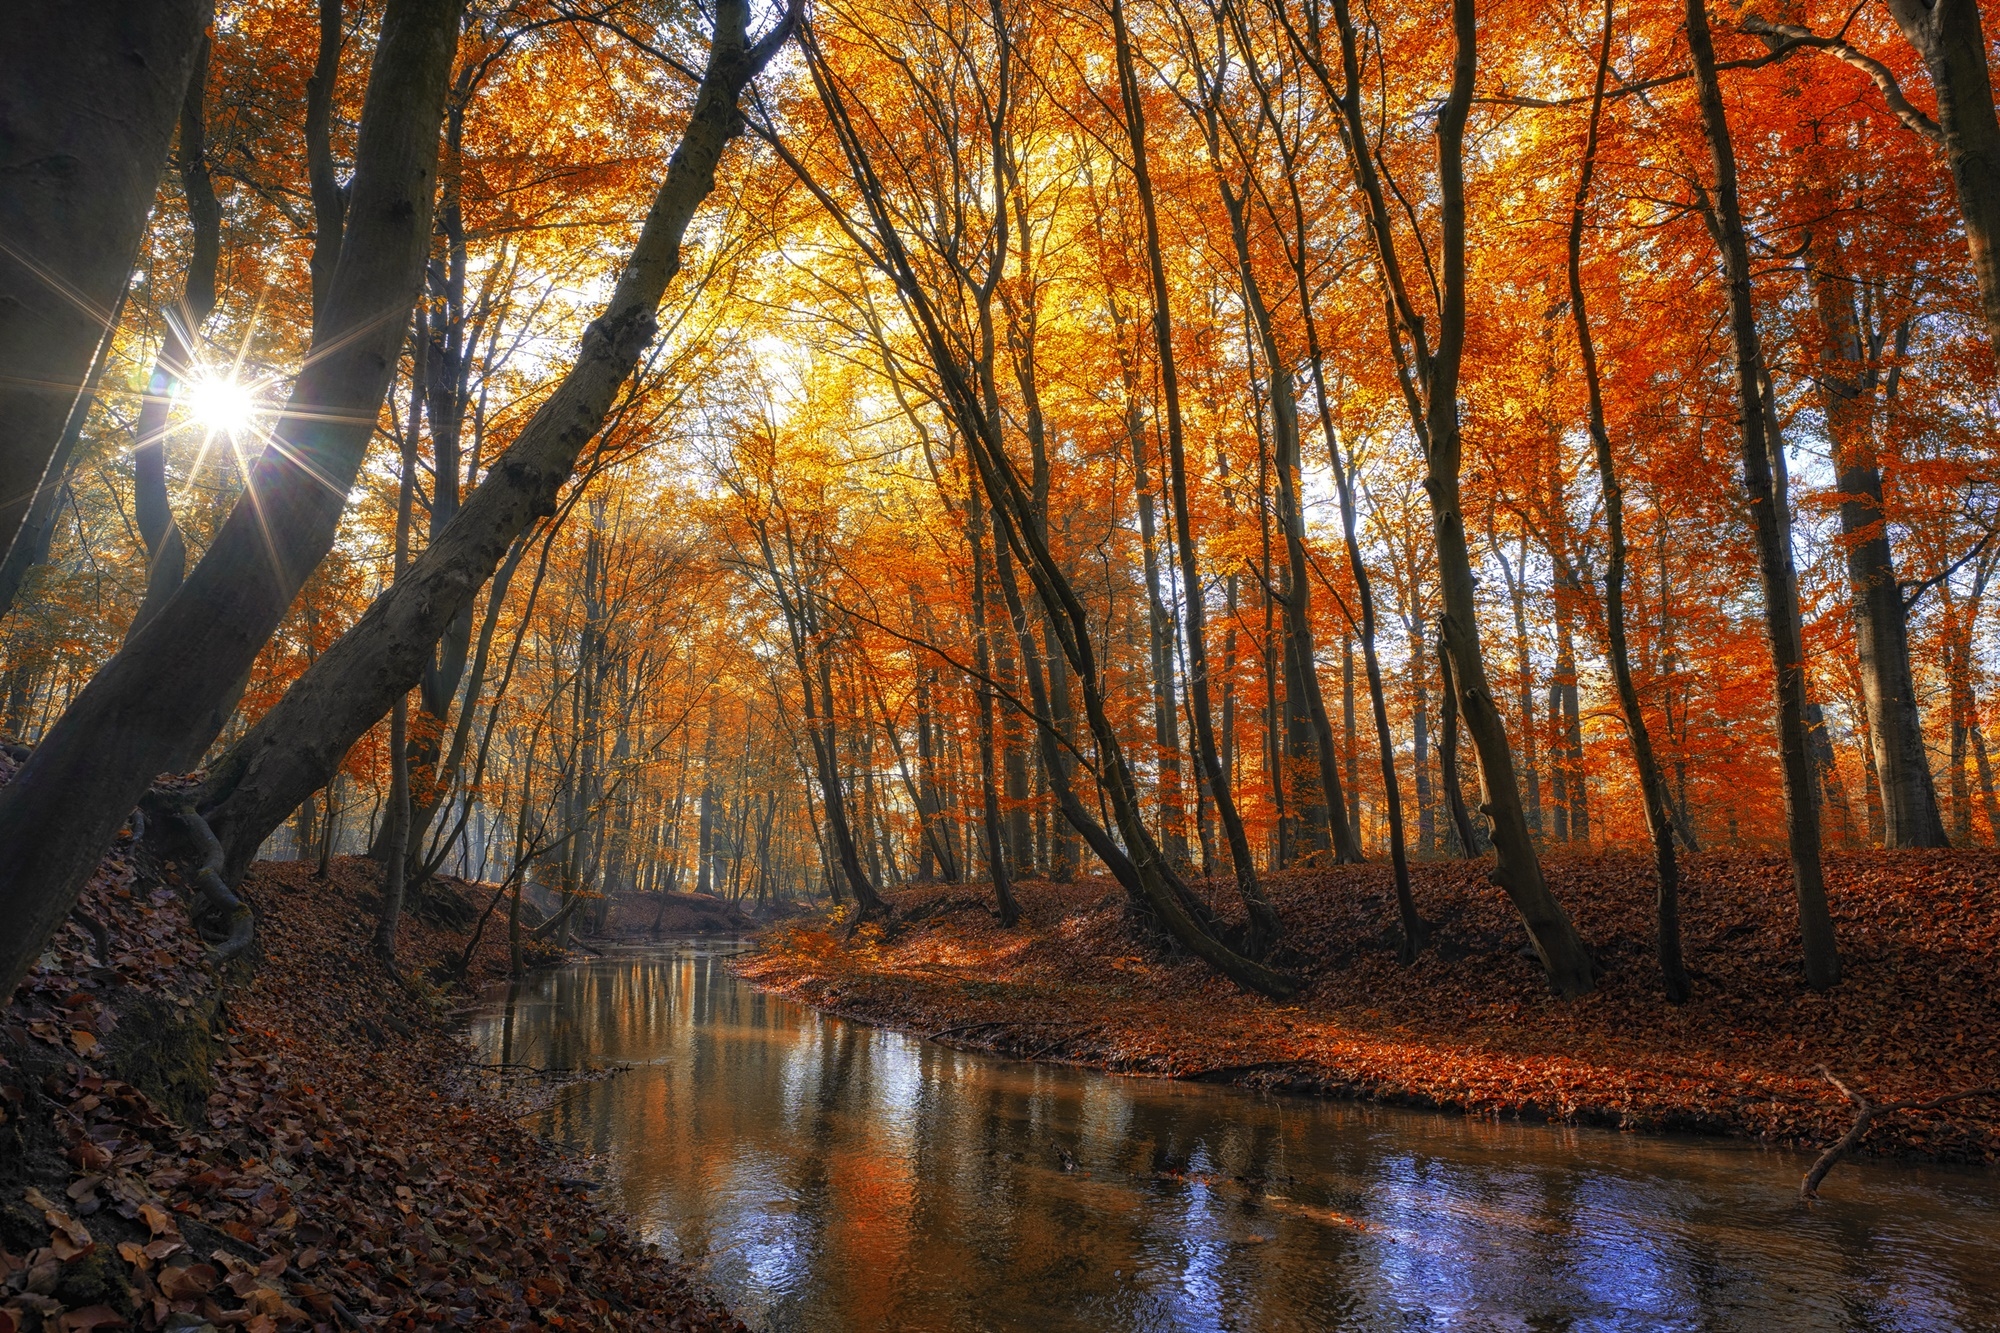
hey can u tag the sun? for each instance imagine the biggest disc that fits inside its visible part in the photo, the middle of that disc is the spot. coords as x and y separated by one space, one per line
222 404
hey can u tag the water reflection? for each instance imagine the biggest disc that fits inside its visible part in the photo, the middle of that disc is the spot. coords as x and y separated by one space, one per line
828 1177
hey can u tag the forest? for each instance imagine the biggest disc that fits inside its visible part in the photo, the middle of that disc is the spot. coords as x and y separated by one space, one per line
1421 508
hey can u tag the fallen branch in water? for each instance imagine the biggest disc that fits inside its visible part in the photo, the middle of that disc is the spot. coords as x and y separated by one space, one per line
1866 1114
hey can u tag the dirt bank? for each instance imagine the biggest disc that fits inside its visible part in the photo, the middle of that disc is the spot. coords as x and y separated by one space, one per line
294 1142
1471 1026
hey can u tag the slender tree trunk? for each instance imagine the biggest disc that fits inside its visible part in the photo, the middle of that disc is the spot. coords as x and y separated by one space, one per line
1159 637
937 834
996 850
1434 400
1420 744
1652 786
166 550
1822 958
395 843
1849 380
1265 928
1269 656
1565 711
1531 763
1350 739
704 849
1988 796
1020 836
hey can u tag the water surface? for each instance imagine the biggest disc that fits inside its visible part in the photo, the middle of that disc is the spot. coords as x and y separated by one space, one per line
826 1176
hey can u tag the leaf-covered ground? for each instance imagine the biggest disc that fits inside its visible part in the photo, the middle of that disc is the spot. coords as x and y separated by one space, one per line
343 1172
1471 1025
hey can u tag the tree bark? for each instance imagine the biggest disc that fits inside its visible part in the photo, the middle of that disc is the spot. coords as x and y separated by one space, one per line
89 93
329 201
1454 793
1264 925
1850 381
1433 399
996 850
1652 785
396 824
1774 561
166 549
293 747
1948 36
37 529
160 691
1159 623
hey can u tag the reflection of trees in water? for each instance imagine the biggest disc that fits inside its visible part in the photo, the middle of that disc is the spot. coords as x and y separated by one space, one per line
834 1176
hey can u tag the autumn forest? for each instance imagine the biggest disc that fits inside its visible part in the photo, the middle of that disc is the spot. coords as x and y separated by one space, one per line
555 466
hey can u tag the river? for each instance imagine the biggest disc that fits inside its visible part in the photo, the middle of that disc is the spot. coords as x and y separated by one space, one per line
825 1176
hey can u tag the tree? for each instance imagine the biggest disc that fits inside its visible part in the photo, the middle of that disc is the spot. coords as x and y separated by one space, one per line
156 696
294 748
1429 369
1767 505
89 94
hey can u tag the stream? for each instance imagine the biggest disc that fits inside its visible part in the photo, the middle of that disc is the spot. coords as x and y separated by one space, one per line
824 1176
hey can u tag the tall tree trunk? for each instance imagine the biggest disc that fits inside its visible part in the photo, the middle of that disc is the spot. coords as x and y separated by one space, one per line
89 93
396 839
1433 398
1271 651
1264 925
1159 626
1988 796
1565 711
1948 36
1850 382
1517 594
1334 827
1350 747
1652 786
1416 931
293 746
1822 958
931 804
154 698
704 847
329 201
996 850
37 528
166 550
1420 743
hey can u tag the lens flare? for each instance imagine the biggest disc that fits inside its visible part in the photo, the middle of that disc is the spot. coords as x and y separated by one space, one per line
223 405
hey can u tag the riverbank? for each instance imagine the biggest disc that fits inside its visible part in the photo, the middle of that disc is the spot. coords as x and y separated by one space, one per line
293 1141
1471 1026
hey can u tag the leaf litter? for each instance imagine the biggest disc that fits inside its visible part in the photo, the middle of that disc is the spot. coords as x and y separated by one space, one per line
1471 1026
346 1168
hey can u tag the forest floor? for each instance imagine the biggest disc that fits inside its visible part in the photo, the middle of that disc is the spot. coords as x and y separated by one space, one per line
1471 1026
297 1141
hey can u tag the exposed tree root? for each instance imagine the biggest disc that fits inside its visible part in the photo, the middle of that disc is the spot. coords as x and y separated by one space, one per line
225 920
